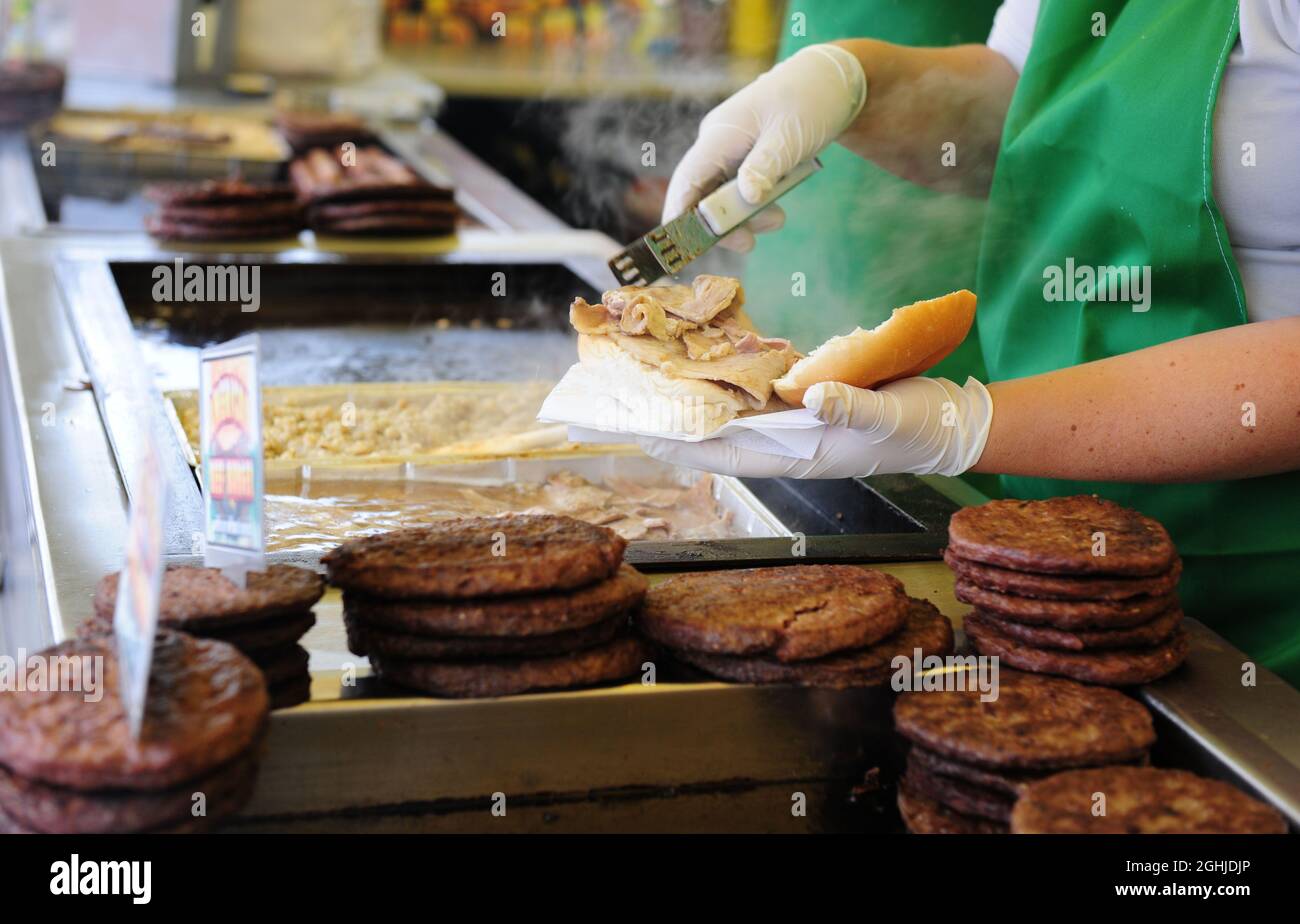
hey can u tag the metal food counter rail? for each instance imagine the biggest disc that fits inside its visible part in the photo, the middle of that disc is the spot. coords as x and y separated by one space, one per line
681 754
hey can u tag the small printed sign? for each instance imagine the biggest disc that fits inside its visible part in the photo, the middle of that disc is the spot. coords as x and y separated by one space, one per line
230 444
135 615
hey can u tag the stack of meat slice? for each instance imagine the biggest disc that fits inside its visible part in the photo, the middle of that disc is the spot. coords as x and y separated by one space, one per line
492 606
70 764
1075 586
974 751
368 191
29 91
809 625
266 619
223 210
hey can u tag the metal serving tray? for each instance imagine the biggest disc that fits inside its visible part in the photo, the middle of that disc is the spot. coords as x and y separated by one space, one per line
337 323
109 136
97 187
364 397
748 517
95 181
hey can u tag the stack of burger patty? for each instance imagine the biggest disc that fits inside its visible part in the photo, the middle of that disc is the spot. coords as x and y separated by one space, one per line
973 753
265 619
306 130
492 606
29 91
223 210
809 625
1139 800
1075 586
368 191
68 762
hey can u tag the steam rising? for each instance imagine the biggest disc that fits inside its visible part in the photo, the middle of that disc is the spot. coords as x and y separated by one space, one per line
864 240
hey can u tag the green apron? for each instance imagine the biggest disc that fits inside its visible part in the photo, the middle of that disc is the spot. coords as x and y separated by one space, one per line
1105 161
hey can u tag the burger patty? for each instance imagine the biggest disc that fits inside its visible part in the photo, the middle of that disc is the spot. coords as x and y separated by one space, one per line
790 613
926 629
478 557
1063 535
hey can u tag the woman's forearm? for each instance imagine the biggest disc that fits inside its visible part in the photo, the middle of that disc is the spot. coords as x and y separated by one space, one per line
1224 404
933 115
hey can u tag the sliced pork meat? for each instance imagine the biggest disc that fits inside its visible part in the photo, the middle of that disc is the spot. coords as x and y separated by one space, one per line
700 345
592 319
752 373
646 316
699 332
669 298
645 495
711 296
698 303
753 343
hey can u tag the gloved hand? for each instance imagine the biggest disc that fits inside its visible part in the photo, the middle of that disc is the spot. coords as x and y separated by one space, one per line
781 119
921 426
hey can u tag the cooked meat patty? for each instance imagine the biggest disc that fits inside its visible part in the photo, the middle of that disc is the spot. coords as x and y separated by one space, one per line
477 557
203 600
790 613
1062 587
1115 667
1060 536
206 705
1140 800
1146 634
614 660
1034 722
926 628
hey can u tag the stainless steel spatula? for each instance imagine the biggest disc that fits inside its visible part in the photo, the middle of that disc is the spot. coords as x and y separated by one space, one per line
668 248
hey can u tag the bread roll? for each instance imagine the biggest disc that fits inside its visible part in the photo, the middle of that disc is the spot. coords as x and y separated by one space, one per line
909 341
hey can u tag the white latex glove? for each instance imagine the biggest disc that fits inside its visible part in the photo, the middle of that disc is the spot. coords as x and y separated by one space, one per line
781 119
921 426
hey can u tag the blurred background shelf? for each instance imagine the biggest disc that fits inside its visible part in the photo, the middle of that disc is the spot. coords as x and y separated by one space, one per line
522 73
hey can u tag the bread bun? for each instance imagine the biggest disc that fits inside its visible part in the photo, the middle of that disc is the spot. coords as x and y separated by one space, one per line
909 341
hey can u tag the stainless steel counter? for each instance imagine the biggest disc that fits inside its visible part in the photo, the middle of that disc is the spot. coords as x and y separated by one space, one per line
363 749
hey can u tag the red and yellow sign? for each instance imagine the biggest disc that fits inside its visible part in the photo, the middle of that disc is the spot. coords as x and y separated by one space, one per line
230 426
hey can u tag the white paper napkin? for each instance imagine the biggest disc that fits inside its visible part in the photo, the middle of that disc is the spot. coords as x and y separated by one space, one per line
794 434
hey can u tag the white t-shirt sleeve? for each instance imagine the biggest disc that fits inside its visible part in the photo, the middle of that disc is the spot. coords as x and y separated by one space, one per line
1013 30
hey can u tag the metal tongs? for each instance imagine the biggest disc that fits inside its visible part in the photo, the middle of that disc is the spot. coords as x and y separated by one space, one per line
666 250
